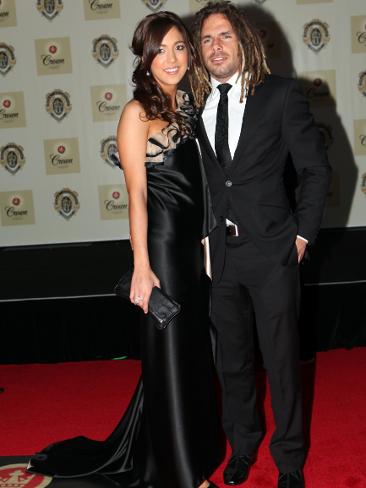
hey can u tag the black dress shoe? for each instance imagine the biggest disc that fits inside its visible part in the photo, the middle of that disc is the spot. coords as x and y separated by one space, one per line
237 470
295 479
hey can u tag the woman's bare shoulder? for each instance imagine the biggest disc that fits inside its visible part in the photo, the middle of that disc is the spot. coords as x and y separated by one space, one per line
134 111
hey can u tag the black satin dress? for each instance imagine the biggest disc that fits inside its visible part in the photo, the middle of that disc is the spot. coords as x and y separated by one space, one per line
170 435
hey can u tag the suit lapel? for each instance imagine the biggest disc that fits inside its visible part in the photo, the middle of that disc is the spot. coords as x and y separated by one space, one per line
206 142
251 112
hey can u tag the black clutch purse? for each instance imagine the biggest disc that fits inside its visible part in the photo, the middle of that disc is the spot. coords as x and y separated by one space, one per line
161 307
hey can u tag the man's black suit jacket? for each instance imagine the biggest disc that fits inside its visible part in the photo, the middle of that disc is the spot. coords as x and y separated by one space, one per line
276 123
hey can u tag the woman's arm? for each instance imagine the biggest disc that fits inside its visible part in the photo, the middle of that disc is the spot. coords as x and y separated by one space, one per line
132 134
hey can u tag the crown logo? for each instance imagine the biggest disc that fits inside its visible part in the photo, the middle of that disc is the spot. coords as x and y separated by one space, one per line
16 480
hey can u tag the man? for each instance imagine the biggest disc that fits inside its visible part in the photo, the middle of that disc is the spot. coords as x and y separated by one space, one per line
250 124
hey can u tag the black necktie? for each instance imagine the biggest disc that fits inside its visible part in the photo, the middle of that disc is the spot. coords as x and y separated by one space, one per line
222 124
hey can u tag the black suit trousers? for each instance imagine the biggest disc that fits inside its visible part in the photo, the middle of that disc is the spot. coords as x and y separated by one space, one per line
274 292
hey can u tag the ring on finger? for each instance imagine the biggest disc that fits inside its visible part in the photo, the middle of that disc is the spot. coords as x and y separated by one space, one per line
137 300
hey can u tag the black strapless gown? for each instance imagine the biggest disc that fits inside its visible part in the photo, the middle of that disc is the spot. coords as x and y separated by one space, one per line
170 435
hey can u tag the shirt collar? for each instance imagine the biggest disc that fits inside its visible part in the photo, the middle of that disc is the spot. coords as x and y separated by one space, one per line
235 81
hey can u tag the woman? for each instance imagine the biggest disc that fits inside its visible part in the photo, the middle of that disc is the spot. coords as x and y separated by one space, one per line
170 435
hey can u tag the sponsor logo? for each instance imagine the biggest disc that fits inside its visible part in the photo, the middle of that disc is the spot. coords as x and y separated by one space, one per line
361 36
66 202
320 86
49 8
7 13
270 35
318 89
105 50
196 5
363 183
113 201
303 2
154 5
358 27
62 156
263 32
107 102
327 134
101 9
53 56
316 35
360 137
17 207
334 192
12 110
15 476
109 151
7 58
362 83
58 104
12 157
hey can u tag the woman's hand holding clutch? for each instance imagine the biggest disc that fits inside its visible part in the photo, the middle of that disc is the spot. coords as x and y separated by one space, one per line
142 283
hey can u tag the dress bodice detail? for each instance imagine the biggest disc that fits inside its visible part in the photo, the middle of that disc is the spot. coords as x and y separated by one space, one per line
170 137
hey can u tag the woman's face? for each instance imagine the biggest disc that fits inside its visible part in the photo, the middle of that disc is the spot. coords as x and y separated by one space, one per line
170 64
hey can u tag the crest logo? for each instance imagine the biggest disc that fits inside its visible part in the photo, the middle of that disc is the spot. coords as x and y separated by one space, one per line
7 58
109 151
12 158
58 104
327 134
105 50
66 202
154 5
49 8
362 83
15 476
316 35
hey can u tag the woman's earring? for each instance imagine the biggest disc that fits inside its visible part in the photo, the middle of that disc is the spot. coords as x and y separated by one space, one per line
147 73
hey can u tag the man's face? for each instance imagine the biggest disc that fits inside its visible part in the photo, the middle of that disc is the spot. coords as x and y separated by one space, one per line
220 47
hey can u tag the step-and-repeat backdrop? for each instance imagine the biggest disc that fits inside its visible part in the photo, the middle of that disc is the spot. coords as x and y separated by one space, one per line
65 71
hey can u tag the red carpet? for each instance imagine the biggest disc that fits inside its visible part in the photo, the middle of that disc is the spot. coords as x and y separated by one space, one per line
44 403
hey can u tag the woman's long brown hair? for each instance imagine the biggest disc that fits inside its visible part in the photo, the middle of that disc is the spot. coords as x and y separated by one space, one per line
146 42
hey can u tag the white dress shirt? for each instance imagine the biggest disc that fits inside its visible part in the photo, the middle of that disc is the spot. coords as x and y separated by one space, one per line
235 115
235 110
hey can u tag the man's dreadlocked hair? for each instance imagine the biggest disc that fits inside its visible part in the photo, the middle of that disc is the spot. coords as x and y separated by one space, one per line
253 58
